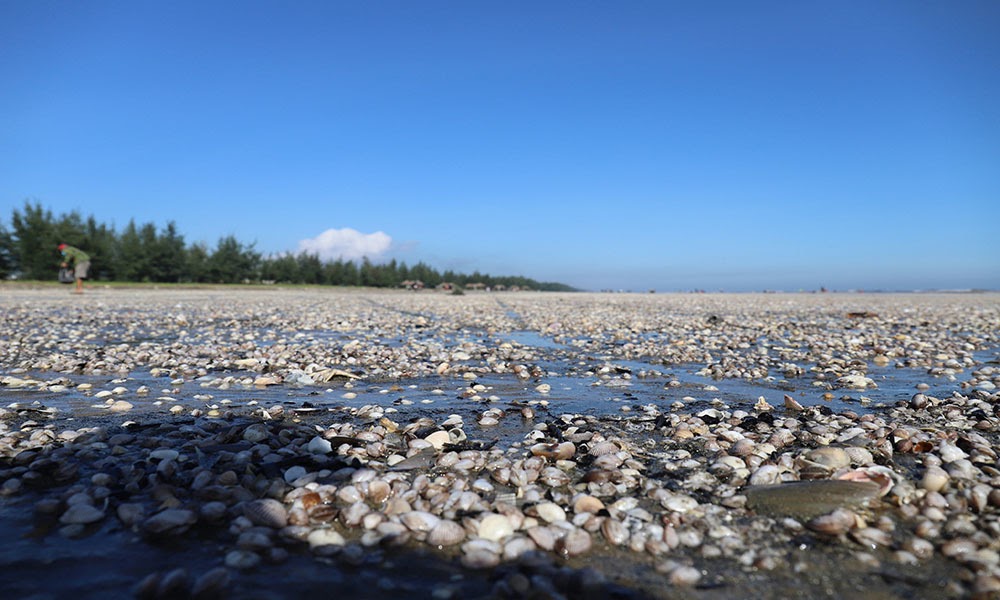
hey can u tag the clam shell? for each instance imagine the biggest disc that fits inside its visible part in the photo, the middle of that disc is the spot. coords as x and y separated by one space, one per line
446 533
419 520
495 527
171 520
834 523
585 503
266 512
602 448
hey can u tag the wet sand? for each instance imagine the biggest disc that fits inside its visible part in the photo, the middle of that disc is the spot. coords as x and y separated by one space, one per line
900 384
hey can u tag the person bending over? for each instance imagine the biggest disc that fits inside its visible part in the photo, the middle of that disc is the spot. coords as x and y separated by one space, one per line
80 261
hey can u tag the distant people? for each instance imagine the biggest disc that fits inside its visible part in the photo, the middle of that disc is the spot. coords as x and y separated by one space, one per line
80 262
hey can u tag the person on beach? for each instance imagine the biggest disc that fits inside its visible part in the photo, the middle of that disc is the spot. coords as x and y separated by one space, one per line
80 261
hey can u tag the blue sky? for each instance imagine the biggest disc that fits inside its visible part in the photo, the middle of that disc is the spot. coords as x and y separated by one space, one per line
638 145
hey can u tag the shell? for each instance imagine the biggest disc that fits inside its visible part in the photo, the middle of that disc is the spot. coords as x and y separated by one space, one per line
574 543
418 520
81 514
602 448
835 523
324 537
266 512
170 521
495 527
614 531
212 584
446 533
585 503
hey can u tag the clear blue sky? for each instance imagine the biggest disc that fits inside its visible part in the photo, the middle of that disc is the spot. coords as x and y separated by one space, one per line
667 145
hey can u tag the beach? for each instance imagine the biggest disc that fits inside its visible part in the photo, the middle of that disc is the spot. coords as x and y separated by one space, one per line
269 442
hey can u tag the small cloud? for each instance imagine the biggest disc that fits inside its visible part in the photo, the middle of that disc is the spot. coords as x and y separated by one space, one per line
347 244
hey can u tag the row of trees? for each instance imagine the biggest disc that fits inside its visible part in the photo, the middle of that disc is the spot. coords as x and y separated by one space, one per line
151 254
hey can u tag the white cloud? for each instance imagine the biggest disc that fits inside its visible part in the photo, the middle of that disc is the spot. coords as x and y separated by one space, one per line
347 244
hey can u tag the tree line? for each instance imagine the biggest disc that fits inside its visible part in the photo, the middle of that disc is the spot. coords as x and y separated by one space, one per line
146 253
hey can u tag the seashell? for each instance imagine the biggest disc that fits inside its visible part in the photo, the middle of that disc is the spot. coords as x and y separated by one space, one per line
419 520
934 479
585 503
608 461
561 451
879 475
170 521
379 491
324 537
742 447
266 512
211 512
174 584
164 454
120 406
310 499
544 537
256 433
979 497
147 586
574 543
438 439
871 537
321 513
81 514
372 520
550 512
516 546
602 448
950 452
131 513
830 457
614 531
600 476
319 445
958 548
495 527
765 475
446 533
353 514
349 494
834 523
679 503
478 558
792 404
684 576
212 584
254 540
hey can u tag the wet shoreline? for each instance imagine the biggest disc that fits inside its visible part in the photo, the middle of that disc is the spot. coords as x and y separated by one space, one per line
673 383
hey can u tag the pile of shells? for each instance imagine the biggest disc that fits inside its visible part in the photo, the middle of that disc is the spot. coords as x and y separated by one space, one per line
670 486
575 483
